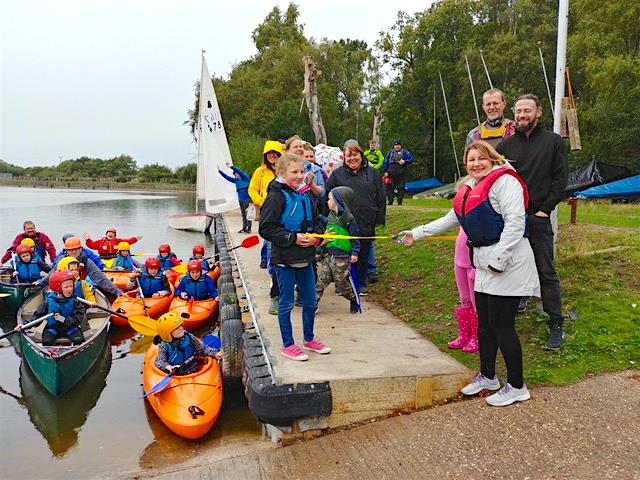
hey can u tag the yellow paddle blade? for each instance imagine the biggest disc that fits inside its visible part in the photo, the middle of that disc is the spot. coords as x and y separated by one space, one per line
141 345
108 263
143 325
143 254
182 268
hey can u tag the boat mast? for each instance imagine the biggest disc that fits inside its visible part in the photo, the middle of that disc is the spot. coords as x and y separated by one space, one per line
199 128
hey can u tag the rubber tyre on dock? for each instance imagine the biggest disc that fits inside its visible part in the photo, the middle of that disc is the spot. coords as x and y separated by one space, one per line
227 287
228 299
231 335
226 278
230 312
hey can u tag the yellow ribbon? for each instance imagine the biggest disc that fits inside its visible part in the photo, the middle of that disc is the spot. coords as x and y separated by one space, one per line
333 236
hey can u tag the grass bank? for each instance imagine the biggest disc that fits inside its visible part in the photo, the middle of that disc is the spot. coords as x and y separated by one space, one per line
418 286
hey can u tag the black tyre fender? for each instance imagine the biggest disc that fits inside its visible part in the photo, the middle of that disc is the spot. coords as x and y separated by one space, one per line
230 312
227 287
231 334
228 299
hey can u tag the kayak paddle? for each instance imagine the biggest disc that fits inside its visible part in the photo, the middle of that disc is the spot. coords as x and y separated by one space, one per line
248 242
144 303
166 380
141 324
27 325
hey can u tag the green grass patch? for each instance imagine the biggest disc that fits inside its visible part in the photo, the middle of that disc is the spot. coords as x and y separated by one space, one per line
418 286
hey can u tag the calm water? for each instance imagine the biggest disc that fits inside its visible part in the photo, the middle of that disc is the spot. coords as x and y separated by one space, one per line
101 425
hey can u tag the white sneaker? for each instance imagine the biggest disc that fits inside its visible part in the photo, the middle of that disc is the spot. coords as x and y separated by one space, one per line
508 395
479 383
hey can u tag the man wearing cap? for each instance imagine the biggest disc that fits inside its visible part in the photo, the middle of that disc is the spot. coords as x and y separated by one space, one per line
107 246
395 164
44 245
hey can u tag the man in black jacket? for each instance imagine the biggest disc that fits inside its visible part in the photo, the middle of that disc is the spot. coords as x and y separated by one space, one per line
369 205
540 157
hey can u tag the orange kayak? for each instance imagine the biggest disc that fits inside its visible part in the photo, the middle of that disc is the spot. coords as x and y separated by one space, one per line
214 274
134 306
199 310
119 279
199 392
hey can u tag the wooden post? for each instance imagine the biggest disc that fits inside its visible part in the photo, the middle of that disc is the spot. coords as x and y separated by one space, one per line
311 74
574 207
377 121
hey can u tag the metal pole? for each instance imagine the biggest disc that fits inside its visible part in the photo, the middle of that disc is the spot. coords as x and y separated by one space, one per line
546 79
446 108
486 70
473 92
434 131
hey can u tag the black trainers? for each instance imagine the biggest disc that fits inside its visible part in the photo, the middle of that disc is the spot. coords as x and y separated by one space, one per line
522 304
372 278
556 337
354 307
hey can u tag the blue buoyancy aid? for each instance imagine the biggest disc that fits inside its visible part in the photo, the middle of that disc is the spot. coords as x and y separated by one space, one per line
63 306
28 271
123 262
197 289
482 224
297 215
165 262
150 284
178 351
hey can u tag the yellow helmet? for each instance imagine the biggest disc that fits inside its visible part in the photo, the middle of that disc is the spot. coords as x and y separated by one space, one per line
124 246
28 242
64 263
167 323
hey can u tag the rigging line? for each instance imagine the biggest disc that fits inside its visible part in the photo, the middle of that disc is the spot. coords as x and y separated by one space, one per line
546 79
486 70
473 91
453 143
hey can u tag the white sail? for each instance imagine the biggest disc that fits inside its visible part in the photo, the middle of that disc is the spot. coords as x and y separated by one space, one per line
213 151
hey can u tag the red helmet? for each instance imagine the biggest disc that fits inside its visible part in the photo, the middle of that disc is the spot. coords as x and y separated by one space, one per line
23 249
58 277
165 247
194 265
152 262
198 249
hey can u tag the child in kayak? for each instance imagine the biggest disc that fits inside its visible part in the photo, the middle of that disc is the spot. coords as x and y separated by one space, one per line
81 289
339 254
26 268
123 260
68 314
198 254
178 346
167 258
195 284
154 283
107 246
241 180
287 216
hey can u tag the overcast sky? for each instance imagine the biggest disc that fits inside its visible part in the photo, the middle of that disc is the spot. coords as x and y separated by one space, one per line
82 77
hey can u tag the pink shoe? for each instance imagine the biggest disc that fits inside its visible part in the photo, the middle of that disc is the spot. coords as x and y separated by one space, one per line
463 328
294 353
316 345
472 323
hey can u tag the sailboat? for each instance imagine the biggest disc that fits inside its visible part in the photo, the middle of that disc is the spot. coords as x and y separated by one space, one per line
218 194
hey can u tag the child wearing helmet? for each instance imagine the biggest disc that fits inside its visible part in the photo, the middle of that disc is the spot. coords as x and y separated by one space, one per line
195 284
28 269
153 281
68 314
82 288
178 345
167 258
198 254
32 245
107 246
123 260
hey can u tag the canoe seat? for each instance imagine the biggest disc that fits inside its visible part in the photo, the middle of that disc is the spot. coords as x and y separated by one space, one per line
62 341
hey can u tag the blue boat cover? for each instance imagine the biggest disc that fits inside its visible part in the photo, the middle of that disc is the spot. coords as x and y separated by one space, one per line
422 184
628 187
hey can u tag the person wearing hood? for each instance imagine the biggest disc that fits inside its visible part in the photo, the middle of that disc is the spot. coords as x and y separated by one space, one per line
260 181
288 215
368 207
338 254
491 208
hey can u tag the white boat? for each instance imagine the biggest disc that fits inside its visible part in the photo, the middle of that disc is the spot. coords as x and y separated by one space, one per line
213 154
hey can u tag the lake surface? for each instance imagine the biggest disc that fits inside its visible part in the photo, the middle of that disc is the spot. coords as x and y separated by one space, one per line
101 425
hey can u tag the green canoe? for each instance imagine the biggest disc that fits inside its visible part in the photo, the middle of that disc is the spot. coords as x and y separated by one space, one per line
60 367
17 291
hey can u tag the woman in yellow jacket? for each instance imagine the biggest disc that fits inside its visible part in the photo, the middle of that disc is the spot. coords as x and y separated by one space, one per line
258 189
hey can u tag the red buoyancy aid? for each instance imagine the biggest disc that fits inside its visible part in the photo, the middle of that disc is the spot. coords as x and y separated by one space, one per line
482 224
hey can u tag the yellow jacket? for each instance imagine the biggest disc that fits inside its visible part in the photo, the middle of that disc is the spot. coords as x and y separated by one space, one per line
87 292
263 175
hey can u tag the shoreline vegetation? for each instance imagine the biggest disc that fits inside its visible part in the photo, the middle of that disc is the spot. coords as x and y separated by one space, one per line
100 185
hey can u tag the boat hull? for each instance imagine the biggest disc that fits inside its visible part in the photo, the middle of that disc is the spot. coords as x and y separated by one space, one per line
193 222
119 279
134 306
58 369
202 389
199 312
18 292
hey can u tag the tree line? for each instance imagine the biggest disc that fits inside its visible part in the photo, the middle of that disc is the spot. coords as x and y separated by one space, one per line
262 96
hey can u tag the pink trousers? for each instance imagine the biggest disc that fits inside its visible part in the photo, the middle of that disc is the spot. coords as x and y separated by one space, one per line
465 273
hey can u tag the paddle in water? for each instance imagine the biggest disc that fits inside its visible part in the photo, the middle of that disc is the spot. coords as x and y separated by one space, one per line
33 323
248 242
166 380
141 324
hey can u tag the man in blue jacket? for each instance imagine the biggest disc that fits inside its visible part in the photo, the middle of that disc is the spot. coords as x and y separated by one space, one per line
395 164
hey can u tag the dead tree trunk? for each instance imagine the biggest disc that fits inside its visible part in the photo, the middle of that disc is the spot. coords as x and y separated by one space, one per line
377 121
311 74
